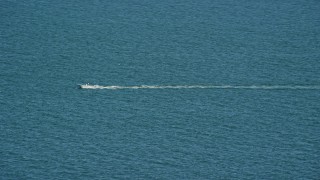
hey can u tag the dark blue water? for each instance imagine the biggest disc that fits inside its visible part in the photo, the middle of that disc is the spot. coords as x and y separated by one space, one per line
50 129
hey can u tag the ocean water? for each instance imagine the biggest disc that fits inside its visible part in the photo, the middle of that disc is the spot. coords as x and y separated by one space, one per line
223 89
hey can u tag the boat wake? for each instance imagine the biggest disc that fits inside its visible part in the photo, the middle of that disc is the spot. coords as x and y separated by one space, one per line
266 87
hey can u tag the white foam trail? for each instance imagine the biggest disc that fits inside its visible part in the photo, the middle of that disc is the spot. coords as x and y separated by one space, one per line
266 87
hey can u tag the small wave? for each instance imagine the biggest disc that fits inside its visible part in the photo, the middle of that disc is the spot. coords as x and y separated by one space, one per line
266 87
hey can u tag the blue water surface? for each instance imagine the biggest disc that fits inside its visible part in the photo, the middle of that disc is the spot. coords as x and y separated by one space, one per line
50 129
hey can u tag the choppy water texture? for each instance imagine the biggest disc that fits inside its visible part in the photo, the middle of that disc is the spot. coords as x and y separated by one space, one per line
225 89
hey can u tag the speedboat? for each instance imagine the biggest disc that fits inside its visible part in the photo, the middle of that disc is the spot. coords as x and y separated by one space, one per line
88 86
